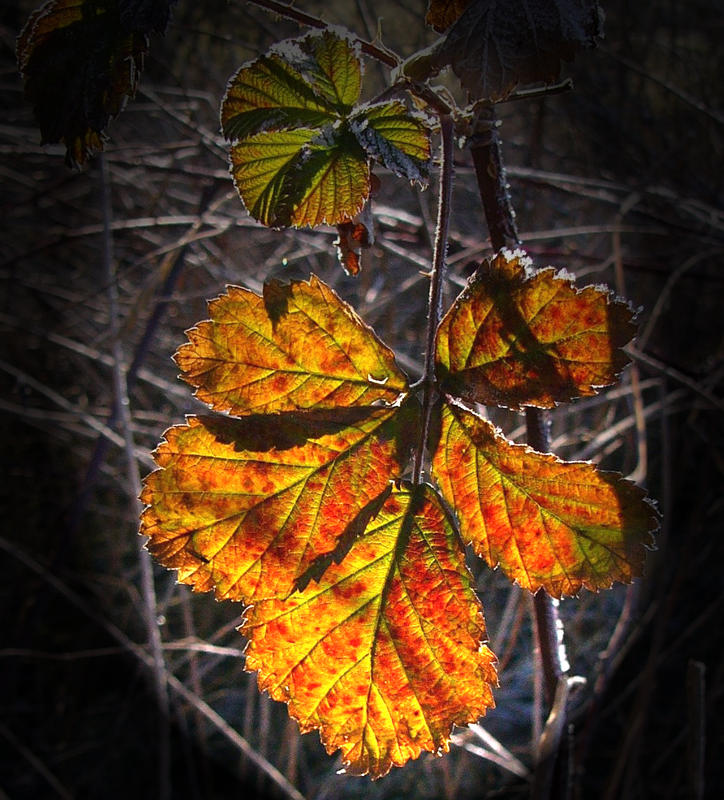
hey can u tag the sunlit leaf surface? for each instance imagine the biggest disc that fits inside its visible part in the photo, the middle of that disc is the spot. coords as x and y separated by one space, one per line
497 44
301 147
515 337
384 653
81 60
244 506
546 522
298 347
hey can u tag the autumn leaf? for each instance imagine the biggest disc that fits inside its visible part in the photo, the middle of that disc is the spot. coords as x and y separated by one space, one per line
519 337
301 146
384 653
81 61
245 506
442 13
298 347
546 522
494 46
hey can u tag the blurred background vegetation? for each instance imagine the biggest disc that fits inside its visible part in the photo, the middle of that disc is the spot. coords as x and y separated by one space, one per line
621 181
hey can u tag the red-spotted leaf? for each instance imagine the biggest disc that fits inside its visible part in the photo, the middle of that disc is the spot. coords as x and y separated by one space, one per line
494 45
81 60
245 506
384 654
396 137
546 522
519 337
298 347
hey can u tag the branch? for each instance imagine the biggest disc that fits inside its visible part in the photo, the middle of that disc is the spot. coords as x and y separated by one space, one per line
289 12
123 412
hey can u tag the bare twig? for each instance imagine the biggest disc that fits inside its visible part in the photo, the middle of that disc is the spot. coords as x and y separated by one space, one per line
123 413
174 684
375 51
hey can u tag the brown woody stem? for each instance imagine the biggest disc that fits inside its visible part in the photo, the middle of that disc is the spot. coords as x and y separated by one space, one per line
289 12
437 280
490 171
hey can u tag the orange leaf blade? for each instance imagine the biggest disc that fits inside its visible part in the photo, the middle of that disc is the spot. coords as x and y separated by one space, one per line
546 522
384 654
513 338
299 347
245 508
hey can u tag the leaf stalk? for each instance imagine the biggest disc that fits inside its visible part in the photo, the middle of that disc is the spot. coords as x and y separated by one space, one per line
437 281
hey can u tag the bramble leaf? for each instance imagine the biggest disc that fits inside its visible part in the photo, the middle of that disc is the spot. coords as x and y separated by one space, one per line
301 148
442 13
245 506
301 177
516 337
494 46
298 347
81 61
398 139
546 522
306 82
384 654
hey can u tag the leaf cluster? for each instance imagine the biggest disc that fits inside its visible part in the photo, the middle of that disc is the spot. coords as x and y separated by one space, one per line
298 503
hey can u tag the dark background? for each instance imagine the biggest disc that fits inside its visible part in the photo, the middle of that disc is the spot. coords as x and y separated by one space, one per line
620 181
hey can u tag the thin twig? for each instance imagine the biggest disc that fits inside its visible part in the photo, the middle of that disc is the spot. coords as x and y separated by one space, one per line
146 659
289 12
123 413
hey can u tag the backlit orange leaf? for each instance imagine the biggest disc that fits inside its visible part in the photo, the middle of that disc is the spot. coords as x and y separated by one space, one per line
245 506
298 347
384 653
516 337
546 522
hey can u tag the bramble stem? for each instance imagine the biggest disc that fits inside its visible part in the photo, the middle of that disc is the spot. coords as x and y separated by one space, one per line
490 171
437 281
288 11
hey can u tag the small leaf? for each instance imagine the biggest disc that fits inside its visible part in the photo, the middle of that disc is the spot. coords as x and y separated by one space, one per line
352 238
299 177
396 137
515 337
299 347
81 61
293 158
245 506
384 654
270 95
442 13
495 45
546 522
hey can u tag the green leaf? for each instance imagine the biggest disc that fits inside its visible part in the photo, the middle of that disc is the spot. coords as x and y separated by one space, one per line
299 177
396 137
270 95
